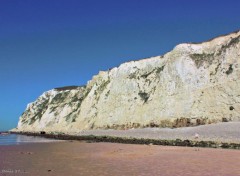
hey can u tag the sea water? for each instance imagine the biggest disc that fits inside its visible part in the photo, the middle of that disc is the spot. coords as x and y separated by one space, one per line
16 139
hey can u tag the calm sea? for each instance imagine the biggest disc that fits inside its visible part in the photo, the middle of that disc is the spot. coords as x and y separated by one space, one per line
15 139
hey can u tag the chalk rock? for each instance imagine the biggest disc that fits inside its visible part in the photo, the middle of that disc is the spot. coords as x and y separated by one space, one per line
194 84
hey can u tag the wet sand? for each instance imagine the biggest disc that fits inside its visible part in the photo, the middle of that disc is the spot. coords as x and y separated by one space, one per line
81 158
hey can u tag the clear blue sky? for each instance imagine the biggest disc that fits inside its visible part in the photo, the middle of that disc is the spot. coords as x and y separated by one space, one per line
52 43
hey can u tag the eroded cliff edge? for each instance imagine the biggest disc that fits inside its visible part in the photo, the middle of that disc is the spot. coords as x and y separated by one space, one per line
193 84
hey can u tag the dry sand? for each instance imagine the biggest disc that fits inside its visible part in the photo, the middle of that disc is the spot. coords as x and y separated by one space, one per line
220 132
81 158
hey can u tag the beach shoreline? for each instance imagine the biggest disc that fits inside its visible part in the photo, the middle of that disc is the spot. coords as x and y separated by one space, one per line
150 151
222 135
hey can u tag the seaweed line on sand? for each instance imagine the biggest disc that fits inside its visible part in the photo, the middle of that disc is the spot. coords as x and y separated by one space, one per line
125 140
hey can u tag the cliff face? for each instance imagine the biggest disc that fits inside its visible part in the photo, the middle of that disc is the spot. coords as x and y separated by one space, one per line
191 85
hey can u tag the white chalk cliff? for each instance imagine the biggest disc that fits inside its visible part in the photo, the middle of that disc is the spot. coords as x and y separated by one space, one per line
194 84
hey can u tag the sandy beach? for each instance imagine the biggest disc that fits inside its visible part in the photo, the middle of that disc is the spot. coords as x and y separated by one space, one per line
82 158
103 158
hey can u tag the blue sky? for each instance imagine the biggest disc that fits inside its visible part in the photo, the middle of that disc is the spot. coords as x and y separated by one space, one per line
52 43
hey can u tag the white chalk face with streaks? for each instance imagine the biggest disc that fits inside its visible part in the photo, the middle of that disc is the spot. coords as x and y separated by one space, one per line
193 84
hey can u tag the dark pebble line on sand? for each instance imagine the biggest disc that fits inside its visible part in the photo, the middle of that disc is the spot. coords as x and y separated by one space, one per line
124 140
